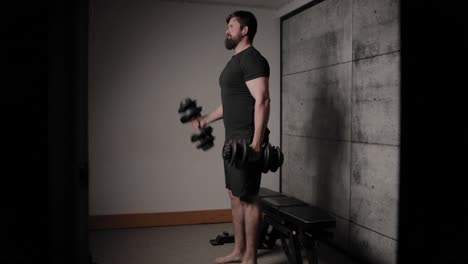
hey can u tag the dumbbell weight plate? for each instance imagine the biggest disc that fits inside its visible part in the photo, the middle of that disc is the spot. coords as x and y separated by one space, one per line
234 152
204 132
206 143
227 151
190 114
245 148
274 160
188 103
266 158
278 159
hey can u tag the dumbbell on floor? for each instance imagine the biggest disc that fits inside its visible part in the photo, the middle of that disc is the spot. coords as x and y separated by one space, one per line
189 110
238 153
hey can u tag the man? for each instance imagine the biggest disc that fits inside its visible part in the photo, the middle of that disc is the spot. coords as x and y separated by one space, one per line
245 110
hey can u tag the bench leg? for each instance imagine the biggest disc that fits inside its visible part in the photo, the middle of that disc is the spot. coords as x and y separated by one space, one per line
293 248
263 234
268 236
311 250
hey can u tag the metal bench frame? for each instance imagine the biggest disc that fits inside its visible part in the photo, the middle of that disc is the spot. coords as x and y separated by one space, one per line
293 232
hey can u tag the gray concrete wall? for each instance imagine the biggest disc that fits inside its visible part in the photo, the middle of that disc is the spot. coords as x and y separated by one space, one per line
340 119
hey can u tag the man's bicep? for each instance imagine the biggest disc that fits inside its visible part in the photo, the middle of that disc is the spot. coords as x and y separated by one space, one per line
258 87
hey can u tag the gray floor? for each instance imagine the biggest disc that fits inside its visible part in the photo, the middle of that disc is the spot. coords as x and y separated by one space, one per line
181 244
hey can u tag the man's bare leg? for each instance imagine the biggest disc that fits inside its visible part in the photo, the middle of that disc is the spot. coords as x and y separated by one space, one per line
239 232
252 220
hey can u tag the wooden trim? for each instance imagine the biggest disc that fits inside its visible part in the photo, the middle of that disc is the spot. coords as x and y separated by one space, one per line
160 219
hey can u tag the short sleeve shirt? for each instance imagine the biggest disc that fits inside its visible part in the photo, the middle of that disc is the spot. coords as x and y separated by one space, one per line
238 103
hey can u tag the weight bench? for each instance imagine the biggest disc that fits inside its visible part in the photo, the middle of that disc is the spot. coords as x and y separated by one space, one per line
297 224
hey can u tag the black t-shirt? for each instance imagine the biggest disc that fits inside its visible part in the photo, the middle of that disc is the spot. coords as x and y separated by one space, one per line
238 102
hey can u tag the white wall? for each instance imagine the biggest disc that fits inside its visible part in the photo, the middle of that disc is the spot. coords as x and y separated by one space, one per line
145 57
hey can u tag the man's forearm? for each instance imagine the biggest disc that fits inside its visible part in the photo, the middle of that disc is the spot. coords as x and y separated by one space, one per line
261 116
215 115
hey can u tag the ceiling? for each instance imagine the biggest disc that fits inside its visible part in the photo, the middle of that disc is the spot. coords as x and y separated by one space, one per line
267 4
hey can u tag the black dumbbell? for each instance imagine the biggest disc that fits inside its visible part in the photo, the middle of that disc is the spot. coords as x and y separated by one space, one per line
237 153
272 158
189 110
205 137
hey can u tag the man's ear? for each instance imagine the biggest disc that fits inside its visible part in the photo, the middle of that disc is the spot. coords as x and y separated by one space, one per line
245 30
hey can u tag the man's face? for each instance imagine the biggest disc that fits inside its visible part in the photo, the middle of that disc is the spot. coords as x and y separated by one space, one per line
233 34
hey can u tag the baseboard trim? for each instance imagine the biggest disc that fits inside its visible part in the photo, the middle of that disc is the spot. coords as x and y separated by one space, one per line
159 219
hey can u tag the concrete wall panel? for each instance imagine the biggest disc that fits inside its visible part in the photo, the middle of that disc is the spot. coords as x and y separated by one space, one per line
376 28
341 119
317 37
317 172
374 187
372 247
317 103
376 100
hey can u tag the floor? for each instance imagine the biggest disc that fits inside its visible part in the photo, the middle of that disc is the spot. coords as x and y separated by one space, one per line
182 244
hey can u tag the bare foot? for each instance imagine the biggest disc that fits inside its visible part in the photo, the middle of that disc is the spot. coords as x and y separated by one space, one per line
231 258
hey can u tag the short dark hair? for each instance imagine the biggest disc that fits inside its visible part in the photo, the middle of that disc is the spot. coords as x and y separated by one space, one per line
245 18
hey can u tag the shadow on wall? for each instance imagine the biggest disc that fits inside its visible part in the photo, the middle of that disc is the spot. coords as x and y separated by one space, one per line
327 121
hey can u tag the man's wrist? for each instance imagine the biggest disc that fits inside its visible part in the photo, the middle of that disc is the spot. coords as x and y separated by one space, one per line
205 119
256 143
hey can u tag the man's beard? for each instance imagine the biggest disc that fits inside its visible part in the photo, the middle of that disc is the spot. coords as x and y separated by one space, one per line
231 43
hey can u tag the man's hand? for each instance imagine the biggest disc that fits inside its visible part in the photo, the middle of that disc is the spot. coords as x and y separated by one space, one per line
255 146
256 153
204 120
199 122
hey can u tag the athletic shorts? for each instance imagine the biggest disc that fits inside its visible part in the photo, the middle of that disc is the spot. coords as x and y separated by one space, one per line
244 182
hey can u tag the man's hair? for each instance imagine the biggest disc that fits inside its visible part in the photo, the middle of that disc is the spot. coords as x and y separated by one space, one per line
245 18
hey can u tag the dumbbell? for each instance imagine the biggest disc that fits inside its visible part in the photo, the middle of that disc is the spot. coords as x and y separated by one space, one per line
189 110
238 153
205 137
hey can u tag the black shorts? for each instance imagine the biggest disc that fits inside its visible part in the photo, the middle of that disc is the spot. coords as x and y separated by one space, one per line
244 182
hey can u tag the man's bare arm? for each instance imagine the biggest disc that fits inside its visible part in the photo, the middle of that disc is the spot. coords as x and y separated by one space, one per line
259 88
209 118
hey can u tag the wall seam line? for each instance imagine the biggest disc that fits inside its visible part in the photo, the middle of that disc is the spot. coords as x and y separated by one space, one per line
351 130
280 187
372 230
342 140
344 62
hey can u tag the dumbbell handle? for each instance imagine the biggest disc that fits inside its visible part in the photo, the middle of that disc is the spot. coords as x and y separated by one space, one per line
252 155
